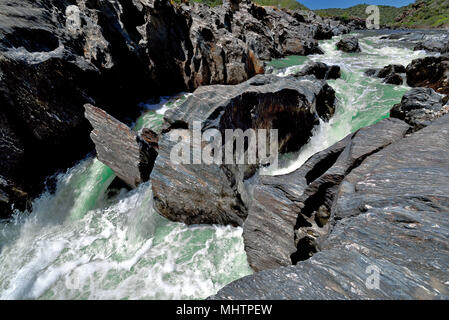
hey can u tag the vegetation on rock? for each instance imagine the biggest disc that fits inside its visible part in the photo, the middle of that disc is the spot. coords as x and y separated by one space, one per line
421 14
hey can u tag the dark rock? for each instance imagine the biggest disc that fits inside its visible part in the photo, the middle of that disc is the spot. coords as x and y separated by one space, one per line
289 213
349 45
390 69
389 215
431 72
320 70
200 193
394 78
128 155
419 107
389 73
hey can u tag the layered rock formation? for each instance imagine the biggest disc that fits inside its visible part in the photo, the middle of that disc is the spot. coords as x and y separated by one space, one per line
289 213
201 193
130 156
55 56
387 219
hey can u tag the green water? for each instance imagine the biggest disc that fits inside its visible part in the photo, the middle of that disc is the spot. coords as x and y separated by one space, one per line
79 244
288 61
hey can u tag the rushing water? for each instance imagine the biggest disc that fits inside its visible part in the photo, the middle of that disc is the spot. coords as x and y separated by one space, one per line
362 100
79 243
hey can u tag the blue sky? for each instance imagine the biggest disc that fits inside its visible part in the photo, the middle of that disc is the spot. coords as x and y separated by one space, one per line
323 4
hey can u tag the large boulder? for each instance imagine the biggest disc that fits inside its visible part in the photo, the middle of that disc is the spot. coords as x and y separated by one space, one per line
130 156
202 193
388 230
419 107
349 45
431 72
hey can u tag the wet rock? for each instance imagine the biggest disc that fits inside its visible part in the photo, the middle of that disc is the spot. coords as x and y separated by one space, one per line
289 213
390 74
389 219
320 70
390 69
349 45
394 79
201 193
130 156
419 107
430 72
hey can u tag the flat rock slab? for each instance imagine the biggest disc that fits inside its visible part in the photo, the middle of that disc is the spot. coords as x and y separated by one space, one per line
390 215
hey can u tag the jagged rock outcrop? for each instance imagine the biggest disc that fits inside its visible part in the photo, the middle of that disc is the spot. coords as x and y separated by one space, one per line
289 214
390 74
349 45
431 72
130 156
320 70
388 219
56 56
419 107
201 193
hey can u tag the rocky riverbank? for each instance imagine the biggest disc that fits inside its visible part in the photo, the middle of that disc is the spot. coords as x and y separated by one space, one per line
56 56
375 200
